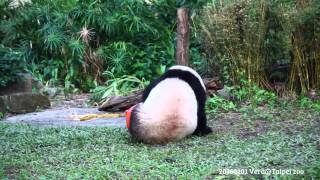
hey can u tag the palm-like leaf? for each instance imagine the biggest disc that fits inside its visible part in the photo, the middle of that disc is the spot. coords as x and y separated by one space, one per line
77 48
9 29
54 41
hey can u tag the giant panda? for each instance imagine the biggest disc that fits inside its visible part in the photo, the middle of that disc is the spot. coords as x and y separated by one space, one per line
172 107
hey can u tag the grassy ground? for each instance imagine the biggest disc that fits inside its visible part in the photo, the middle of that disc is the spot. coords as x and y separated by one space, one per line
256 139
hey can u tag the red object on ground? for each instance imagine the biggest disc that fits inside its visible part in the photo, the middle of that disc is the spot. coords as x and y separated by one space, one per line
128 116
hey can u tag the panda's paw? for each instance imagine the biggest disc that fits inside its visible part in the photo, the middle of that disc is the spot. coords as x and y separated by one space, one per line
203 131
206 130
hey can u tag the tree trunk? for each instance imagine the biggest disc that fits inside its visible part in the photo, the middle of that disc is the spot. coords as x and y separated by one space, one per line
183 37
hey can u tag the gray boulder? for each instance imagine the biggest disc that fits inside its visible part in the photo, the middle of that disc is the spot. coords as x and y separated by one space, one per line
52 91
24 83
224 93
3 106
24 102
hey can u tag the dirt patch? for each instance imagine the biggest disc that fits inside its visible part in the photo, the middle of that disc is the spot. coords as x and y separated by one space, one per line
258 127
232 123
300 120
297 121
226 122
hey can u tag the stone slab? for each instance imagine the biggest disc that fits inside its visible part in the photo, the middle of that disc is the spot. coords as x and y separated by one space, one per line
63 117
24 102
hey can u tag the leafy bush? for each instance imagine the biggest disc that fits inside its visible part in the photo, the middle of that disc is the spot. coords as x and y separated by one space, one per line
249 96
217 104
10 64
74 42
306 102
253 94
117 87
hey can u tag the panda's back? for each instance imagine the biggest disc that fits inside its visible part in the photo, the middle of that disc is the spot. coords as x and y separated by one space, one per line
170 109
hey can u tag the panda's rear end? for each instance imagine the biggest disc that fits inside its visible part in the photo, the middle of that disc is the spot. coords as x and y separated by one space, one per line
165 117
172 108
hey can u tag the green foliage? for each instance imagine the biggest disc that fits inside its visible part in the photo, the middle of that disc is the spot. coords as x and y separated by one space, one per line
253 94
262 96
117 87
258 104
219 104
10 64
307 103
251 97
74 43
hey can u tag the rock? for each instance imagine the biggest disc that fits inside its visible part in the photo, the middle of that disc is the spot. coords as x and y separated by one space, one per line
3 107
224 93
25 102
52 91
213 83
25 83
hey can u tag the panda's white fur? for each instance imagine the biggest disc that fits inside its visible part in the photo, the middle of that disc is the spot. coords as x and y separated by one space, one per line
171 115
170 110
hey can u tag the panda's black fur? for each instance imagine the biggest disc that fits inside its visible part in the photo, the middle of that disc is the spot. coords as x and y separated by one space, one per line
180 73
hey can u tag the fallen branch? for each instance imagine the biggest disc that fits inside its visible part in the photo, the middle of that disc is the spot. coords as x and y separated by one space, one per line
121 103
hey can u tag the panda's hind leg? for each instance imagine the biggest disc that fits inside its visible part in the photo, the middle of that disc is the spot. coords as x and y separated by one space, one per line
202 128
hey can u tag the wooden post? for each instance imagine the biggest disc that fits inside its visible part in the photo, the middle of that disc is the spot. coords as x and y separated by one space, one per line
182 37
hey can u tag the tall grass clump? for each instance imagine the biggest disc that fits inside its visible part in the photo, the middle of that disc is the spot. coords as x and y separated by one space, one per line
305 70
264 42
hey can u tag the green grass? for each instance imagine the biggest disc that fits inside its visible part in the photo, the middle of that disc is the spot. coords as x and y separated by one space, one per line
290 142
